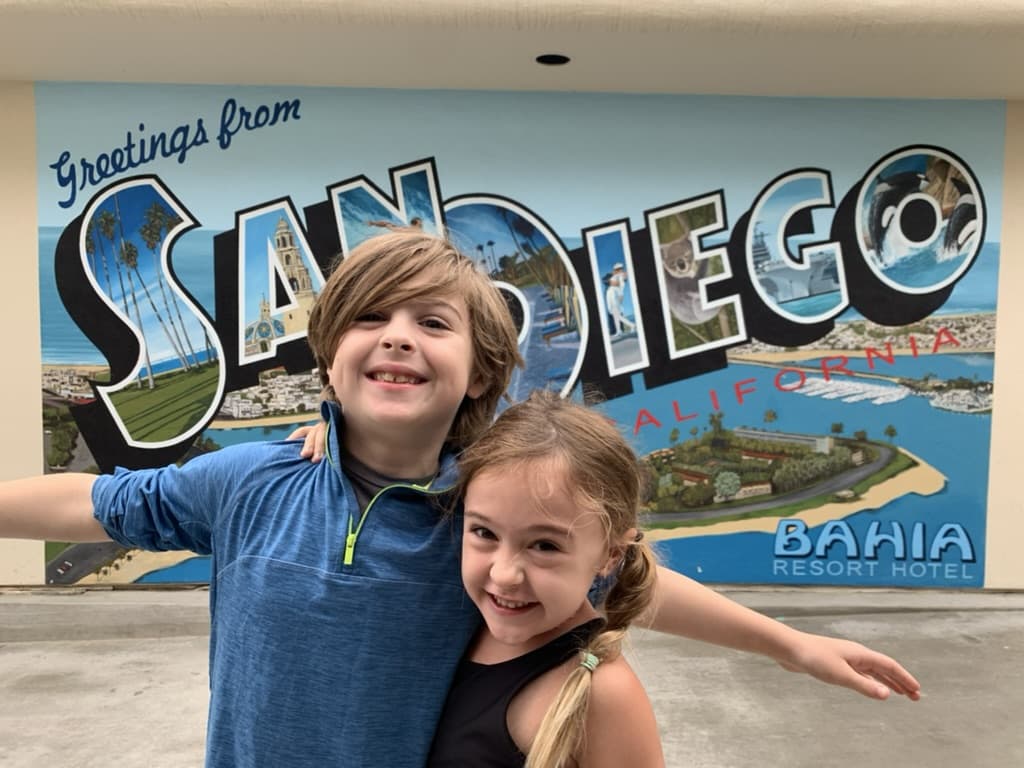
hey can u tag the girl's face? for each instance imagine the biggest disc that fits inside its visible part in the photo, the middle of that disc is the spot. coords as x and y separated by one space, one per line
529 554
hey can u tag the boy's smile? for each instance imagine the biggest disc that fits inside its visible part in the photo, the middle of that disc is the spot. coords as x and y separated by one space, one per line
401 374
529 556
391 376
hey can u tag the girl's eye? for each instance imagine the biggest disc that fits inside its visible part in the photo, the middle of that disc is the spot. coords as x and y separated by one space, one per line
436 323
481 533
547 546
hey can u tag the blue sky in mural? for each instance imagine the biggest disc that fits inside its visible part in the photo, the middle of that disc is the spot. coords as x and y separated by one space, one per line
684 146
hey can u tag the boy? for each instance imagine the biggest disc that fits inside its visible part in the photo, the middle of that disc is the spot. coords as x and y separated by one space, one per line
337 610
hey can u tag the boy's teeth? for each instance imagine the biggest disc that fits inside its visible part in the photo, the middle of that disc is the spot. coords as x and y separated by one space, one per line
395 378
509 603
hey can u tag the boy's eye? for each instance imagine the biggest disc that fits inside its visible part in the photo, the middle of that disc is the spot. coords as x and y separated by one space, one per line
370 317
481 533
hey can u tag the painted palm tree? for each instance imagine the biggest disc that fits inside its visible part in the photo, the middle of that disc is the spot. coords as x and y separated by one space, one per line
157 221
507 264
552 271
129 256
543 253
524 250
107 223
90 247
715 420
494 259
151 237
179 350
509 219
171 221
528 232
92 243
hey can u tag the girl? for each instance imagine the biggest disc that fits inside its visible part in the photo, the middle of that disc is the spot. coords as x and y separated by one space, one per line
551 496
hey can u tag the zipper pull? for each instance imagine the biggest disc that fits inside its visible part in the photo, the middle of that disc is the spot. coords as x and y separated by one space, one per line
350 548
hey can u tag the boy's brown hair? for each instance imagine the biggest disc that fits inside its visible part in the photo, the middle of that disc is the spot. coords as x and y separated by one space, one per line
407 264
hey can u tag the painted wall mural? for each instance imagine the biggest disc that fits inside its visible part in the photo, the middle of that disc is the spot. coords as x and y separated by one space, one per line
788 305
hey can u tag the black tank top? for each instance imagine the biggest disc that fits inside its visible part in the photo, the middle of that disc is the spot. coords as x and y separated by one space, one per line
473 731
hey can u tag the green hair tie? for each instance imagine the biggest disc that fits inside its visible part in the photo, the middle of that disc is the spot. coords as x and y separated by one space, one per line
590 661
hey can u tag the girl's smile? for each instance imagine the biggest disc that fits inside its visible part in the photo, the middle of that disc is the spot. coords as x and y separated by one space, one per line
529 555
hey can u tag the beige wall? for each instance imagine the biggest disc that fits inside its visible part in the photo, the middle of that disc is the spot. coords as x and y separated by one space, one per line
21 450
1004 566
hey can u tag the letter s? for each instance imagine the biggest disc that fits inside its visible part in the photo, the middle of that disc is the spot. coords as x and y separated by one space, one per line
112 274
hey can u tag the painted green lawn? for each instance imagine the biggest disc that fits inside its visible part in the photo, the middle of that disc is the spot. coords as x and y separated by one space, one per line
177 403
54 548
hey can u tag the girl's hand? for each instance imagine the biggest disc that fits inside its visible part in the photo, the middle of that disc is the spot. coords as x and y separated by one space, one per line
852 665
314 440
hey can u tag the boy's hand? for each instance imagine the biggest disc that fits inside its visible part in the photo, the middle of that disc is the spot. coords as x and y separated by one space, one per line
852 665
314 440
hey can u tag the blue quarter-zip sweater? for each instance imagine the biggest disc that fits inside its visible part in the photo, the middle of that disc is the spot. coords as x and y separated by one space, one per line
312 662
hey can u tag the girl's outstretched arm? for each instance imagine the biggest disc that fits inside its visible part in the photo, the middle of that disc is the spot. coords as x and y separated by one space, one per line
687 608
314 440
52 507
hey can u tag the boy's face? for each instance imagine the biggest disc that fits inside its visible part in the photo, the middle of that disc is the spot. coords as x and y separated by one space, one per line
529 554
405 370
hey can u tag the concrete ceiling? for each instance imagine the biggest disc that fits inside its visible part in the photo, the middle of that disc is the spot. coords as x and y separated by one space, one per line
884 48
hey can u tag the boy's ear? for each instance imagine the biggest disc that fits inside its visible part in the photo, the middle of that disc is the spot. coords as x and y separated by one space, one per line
477 386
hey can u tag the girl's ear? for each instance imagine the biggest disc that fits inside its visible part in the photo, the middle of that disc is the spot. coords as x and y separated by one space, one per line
617 551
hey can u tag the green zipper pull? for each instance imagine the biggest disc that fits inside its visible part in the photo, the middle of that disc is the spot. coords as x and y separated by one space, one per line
350 547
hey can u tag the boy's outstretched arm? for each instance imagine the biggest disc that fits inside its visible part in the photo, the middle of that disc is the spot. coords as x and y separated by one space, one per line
687 608
53 507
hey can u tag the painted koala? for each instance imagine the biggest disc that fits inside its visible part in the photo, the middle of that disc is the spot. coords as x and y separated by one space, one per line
682 271
677 258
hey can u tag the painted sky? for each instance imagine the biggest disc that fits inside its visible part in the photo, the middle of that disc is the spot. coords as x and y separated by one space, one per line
577 160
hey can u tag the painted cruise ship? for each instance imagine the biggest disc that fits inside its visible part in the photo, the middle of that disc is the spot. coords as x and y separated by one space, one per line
783 281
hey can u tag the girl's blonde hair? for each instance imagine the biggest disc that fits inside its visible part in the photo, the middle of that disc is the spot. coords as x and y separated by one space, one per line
404 265
603 475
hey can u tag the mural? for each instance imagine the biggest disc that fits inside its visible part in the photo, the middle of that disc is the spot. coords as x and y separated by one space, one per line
788 305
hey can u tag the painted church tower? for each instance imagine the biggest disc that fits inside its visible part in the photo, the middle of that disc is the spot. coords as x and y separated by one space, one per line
296 319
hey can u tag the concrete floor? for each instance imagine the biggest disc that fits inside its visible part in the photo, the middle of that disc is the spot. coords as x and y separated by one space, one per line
102 678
